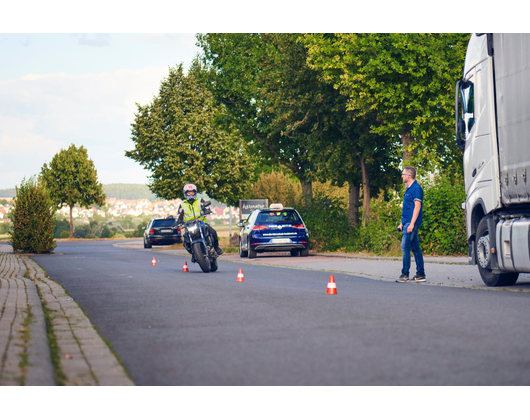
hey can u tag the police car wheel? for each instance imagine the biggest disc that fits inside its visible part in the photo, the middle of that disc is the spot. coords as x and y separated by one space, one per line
242 254
251 253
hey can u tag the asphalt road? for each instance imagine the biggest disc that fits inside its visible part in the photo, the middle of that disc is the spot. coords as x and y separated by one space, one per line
280 328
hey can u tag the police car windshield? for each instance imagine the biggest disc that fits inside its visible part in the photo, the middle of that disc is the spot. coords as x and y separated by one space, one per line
276 216
163 223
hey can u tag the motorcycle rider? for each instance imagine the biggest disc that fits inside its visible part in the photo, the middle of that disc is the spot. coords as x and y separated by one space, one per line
190 208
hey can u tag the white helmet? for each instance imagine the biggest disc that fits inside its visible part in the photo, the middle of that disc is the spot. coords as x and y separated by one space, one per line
190 192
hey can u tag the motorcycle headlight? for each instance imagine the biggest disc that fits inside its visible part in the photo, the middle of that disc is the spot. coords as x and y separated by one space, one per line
193 228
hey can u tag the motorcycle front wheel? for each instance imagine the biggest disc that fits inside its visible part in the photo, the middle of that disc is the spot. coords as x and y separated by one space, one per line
201 257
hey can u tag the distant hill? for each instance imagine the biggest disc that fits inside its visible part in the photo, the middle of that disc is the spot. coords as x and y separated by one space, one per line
124 191
9 193
128 191
121 191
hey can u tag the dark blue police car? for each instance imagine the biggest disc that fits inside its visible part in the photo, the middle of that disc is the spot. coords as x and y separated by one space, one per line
274 229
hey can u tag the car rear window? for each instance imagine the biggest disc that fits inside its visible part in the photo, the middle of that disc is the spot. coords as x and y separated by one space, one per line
276 216
163 223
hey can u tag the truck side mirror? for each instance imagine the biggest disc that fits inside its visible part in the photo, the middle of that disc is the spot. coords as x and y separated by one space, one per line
460 125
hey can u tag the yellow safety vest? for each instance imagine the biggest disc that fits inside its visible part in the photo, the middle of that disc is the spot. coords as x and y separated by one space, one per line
192 211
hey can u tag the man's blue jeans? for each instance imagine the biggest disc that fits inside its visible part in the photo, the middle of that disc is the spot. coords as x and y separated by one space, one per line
411 242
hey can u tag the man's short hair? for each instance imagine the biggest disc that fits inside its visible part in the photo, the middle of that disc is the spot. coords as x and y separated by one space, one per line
411 170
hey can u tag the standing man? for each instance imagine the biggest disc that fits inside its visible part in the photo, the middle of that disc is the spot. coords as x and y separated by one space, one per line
411 217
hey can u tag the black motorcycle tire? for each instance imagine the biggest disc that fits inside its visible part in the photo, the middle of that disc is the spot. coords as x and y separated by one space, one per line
213 266
202 259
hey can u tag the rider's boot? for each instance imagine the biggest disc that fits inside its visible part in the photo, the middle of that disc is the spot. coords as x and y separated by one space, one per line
218 250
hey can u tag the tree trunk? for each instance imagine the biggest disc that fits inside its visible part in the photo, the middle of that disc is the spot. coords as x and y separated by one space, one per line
406 141
366 192
307 191
353 204
71 222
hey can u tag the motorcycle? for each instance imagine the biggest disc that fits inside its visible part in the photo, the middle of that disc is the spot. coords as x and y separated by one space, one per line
199 243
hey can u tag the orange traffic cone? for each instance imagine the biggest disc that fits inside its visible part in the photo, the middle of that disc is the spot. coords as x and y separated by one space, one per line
332 287
185 268
153 261
240 277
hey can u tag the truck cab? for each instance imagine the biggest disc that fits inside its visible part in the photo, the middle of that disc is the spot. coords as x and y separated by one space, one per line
492 130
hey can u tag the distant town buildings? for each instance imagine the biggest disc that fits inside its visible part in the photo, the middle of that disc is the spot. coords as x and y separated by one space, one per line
120 208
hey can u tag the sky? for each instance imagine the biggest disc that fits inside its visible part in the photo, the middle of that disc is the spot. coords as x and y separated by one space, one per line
66 88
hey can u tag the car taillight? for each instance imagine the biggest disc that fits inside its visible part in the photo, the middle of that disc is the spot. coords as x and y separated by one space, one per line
302 226
259 227
179 230
151 231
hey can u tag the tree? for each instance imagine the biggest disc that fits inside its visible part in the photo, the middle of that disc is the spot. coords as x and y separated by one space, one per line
293 115
277 187
406 79
272 95
350 153
33 218
72 179
183 137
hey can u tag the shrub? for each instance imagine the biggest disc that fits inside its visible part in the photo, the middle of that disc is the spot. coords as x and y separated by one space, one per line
82 231
277 187
90 236
64 234
61 225
442 232
380 233
327 222
32 218
443 229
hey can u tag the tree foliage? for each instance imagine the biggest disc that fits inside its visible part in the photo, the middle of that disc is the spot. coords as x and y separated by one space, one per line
407 80
273 96
294 115
277 187
71 179
348 109
183 137
33 218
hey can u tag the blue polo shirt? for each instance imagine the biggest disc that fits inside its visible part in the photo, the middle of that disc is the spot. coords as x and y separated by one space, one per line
413 193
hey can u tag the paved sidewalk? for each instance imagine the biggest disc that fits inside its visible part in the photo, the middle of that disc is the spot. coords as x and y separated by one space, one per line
26 350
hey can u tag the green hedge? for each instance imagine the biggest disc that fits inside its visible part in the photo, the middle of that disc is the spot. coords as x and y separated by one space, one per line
443 230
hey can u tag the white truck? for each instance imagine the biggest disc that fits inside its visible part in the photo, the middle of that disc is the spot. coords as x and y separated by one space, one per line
493 131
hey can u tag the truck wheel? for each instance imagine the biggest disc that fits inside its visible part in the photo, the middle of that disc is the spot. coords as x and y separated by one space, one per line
147 244
483 252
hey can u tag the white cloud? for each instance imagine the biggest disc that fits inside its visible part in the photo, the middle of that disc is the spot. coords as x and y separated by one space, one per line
40 114
172 41
94 40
